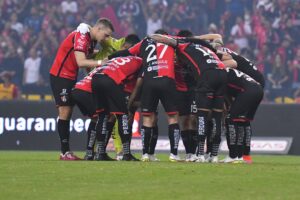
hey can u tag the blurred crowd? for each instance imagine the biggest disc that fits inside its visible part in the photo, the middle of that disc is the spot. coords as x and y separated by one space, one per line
265 31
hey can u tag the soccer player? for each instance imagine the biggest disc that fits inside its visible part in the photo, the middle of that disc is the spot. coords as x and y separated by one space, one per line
108 87
247 94
246 66
158 85
108 47
73 54
211 81
187 108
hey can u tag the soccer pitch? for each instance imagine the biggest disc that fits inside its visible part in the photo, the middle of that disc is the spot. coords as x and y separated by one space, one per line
40 175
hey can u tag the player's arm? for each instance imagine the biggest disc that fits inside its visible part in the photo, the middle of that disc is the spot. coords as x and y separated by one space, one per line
83 62
230 63
164 39
209 37
135 94
122 53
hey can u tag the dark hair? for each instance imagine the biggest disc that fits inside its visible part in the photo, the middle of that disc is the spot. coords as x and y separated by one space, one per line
106 22
132 39
161 31
185 33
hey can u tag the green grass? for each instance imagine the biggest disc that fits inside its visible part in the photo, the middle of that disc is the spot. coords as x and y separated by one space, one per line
39 175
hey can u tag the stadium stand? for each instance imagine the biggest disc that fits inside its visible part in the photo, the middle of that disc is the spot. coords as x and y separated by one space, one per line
260 29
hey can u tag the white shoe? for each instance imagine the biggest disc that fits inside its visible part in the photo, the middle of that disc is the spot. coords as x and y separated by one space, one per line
145 157
213 159
174 158
153 158
119 156
228 159
206 156
193 158
201 159
188 157
240 160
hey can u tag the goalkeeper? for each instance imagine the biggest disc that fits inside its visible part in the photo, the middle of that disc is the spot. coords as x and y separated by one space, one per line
107 48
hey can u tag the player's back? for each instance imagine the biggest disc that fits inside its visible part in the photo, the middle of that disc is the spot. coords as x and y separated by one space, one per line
246 66
158 58
200 57
122 68
238 81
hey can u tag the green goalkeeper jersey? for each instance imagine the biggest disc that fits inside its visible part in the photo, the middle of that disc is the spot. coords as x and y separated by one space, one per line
108 47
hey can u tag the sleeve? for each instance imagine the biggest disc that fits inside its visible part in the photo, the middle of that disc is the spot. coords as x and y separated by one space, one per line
122 53
81 42
135 50
201 42
108 47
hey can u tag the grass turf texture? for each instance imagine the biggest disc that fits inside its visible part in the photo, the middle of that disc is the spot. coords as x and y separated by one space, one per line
40 175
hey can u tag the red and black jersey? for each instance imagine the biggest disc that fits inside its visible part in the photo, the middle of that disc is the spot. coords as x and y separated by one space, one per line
200 58
122 69
183 79
130 85
65 64
238 82
158 58
86 83
246 66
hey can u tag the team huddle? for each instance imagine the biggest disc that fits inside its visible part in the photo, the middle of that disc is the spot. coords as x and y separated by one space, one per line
204 88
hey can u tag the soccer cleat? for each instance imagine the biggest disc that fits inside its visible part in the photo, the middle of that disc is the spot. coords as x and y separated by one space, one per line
129 157
145 158
89 155
188 157
228 159
206 156
247 159
213 159
119 156
174 158
103 157
153 158
201 159
69 156
240 160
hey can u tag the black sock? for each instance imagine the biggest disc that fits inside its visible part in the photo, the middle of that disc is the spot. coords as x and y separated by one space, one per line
210 134
247 138
174 137
217 129
153 140
202 130
125 132
63 127
194 141
232 136
146 137
100 134
240 139
109 129
91 136
185 136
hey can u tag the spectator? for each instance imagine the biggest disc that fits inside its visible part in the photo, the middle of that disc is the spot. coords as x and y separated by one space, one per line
32 66
240 32
69 6
278 78
8 90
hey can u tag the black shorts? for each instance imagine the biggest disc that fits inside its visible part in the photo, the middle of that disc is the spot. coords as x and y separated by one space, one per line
110 97
61 89
85 102
246 103
211 89
153 90
186 103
